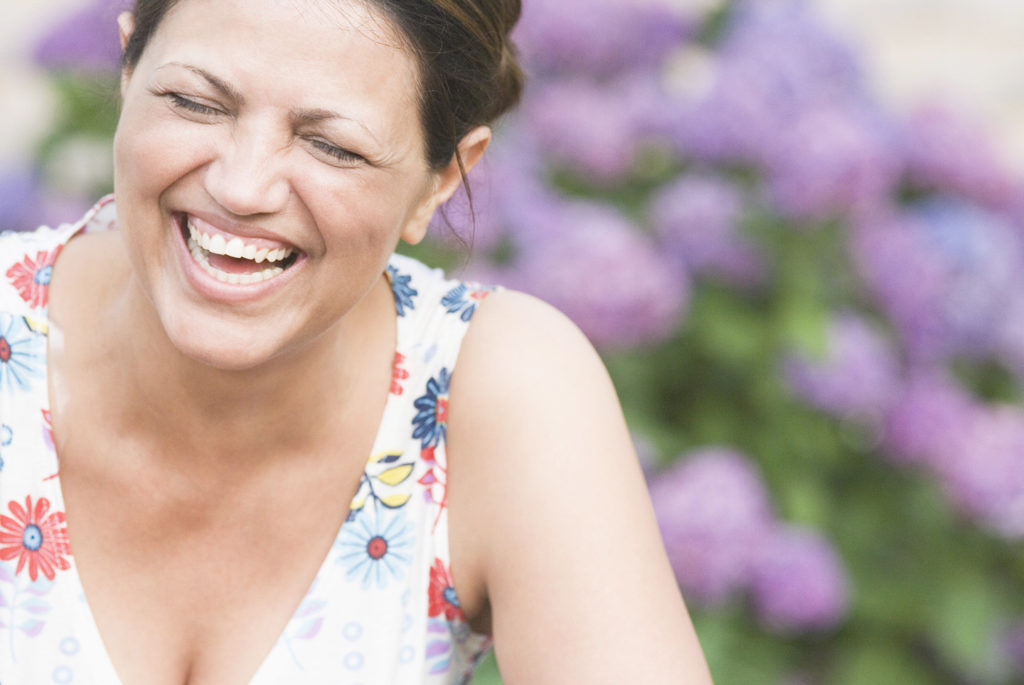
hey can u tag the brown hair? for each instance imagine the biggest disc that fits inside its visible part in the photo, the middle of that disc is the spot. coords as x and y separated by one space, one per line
469 73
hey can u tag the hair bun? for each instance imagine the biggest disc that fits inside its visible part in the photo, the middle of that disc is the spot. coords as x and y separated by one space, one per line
509 81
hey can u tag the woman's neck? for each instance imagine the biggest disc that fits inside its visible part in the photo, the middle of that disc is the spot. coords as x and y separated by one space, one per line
297 402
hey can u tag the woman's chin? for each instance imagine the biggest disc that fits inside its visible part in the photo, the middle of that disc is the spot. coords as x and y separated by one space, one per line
223 345
224 355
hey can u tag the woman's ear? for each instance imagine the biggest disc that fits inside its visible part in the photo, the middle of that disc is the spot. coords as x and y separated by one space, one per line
125 27
446 182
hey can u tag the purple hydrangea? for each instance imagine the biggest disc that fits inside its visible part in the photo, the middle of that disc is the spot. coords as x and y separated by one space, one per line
945 272
596 128
85 41
598 37
798 581
26 204
1011 644
984 470
929 415
831 160
905 276
776 60
712 510
697 218
808 58
600 270
18 200
1008 338
947 152
858 376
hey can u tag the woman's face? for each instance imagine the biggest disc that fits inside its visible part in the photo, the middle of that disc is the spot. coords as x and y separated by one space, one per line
285 135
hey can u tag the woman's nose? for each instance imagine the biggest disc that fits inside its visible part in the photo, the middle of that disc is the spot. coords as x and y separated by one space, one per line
247 176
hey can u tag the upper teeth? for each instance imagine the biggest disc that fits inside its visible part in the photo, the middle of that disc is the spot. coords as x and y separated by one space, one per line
235 247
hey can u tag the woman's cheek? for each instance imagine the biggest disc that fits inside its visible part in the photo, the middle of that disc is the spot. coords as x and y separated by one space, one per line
153 148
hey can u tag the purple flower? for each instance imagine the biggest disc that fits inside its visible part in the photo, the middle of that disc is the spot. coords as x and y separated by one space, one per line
831 160
596 128
947 152
928 416
597 37
18 200
776 60
1011 644
697 218
85 41
1008 338
945 272
984 470
858 375
600 270
803 54
798 582
712 510
26 204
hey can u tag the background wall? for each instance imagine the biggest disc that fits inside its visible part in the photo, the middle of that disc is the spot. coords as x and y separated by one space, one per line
962 51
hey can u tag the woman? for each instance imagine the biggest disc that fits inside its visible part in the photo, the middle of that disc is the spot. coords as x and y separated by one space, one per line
218 368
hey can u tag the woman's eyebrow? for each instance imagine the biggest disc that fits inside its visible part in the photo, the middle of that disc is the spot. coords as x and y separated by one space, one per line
219 84
315 116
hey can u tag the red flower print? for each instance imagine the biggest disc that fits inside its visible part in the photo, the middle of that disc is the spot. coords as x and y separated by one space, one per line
442 409
32 276
442 594
398 374
34 537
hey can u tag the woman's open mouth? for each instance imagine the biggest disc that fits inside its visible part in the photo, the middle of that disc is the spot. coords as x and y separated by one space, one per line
233 259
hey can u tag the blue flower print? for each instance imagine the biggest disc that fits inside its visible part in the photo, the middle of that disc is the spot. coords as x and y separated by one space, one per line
432 420
376 546
21 353
462 300
403 291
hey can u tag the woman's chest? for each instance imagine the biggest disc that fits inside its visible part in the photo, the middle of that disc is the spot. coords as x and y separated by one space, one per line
202 580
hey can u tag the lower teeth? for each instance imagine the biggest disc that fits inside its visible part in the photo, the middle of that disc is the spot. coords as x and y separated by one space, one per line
199 255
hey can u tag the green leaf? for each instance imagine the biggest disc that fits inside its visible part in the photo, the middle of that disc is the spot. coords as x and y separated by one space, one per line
965 612
878 663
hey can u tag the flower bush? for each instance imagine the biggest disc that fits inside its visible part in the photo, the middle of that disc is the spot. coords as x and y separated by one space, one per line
812 306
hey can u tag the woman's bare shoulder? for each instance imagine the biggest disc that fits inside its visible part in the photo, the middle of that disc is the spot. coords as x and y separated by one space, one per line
550 509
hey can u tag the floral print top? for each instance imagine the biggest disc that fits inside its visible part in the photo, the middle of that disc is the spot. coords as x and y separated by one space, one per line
382 608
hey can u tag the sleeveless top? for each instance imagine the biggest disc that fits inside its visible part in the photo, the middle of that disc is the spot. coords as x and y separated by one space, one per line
382 608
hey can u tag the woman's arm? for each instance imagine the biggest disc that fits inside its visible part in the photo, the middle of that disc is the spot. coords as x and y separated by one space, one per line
551 527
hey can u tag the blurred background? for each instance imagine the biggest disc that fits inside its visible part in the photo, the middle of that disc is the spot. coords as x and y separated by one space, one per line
795 231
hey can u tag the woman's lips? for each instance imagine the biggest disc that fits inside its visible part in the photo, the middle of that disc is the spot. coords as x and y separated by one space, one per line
234 259
209 250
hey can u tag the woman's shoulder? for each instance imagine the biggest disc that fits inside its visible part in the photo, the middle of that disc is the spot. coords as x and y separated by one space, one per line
27 257
550 509
523 342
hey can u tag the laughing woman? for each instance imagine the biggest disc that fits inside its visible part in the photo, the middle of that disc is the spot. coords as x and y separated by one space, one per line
245 442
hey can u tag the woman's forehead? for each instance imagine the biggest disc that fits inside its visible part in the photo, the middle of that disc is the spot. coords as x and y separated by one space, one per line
332 40
341 55
366 17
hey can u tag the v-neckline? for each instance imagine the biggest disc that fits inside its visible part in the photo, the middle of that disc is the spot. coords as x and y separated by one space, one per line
84 617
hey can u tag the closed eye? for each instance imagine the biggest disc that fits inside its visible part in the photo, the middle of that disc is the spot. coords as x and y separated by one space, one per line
182 102
340 154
